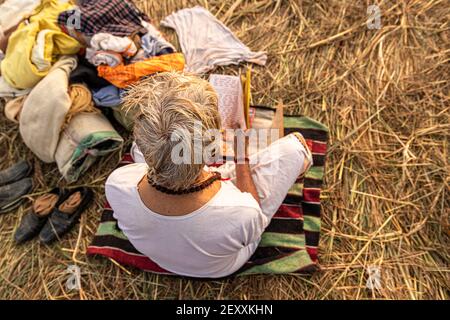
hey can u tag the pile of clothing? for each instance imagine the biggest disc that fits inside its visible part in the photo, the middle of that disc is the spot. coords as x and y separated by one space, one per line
65 65
63 61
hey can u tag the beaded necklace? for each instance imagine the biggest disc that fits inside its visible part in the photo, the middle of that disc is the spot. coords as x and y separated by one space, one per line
195 188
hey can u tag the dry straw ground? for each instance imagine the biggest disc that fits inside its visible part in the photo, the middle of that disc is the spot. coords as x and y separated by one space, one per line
383 93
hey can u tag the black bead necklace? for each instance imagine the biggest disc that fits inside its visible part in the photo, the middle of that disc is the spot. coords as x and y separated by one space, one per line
195 188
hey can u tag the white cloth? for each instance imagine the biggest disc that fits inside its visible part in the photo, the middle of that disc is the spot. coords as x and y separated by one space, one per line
217 239
107 49
98 58
7 91
38 52
108 42
12 11
206 42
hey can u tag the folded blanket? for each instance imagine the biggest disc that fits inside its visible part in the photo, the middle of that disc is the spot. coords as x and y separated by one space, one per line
288 245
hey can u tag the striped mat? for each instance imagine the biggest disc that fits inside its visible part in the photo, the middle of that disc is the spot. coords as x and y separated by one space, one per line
288 245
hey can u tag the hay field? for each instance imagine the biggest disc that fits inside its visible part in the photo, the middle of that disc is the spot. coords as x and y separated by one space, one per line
383 93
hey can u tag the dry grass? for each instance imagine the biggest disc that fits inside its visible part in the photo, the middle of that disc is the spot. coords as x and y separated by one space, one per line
384 95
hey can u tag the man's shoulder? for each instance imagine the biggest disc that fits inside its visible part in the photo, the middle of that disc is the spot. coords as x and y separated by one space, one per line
127 175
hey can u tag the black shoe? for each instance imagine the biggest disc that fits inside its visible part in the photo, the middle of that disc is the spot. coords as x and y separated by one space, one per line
59 223
31 223
11 194
14 173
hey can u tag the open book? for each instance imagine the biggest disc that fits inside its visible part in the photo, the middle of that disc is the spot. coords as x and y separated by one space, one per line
231 100
234 106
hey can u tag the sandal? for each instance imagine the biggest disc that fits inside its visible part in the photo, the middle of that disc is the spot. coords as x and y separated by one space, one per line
66 214
33 222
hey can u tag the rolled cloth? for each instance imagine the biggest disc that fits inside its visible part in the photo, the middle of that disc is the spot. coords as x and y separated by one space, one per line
44 111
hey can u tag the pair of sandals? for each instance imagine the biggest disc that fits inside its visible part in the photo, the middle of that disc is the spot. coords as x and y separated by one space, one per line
54 214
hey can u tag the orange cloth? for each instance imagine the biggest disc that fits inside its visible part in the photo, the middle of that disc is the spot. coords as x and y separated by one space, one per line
124 75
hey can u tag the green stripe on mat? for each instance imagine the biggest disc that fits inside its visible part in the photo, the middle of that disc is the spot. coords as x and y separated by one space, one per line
296 189
315 172
272 239
311 223
288 264
109 229
303 123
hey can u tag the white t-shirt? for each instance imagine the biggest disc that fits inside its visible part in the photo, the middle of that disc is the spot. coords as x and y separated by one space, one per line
213 241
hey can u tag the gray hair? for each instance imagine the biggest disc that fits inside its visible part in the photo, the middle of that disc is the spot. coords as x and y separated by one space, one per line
167 104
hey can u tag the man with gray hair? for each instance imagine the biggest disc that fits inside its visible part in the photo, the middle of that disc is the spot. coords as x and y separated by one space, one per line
192 219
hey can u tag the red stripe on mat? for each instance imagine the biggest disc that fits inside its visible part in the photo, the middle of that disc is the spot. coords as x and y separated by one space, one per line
319 147
127 158
312 253
140 262
311 195
289 211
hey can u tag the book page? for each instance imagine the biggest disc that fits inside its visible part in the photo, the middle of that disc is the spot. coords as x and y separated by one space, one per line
231 100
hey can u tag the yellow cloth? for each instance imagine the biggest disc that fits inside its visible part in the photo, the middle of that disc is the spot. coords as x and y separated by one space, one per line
81 102
17 68
124 75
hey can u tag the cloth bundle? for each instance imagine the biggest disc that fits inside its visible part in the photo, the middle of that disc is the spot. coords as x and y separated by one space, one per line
18 68
206 42
48 103
59 123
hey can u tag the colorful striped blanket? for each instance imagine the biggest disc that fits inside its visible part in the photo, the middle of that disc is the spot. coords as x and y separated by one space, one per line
288 245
